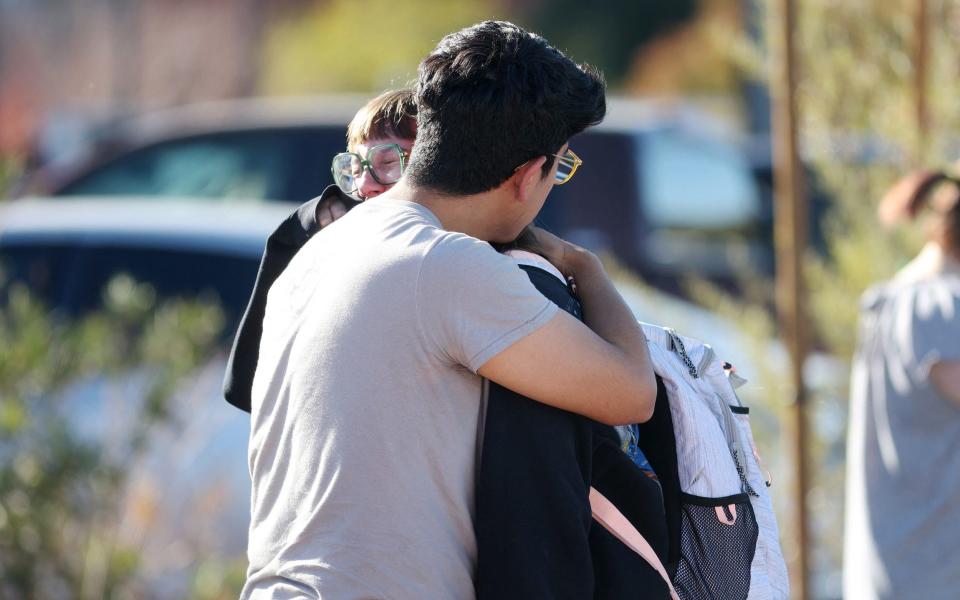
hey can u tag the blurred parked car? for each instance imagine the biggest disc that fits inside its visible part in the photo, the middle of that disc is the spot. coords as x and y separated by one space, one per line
273 150
194 472
666 188
66 252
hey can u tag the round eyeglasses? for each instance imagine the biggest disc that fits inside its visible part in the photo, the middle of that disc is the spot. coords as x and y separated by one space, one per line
385 163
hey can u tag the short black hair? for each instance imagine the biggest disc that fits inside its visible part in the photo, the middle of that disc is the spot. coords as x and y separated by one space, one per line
491 97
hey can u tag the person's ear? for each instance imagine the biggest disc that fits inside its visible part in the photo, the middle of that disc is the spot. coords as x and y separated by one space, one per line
528 177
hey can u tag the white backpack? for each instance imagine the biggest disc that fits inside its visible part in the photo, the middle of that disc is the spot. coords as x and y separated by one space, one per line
729 542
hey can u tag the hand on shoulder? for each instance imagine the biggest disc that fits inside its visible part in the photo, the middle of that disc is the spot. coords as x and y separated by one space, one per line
330 209
567 257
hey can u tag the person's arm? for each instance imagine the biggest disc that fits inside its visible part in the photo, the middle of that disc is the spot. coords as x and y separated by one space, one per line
602 371
945 376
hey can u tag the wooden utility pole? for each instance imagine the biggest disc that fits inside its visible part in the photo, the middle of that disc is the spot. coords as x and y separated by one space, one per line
921 62
790 237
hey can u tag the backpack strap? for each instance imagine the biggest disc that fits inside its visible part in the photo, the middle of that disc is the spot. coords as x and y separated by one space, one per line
676 344
610 517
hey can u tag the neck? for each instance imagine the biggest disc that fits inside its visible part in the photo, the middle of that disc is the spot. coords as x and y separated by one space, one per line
473 215
932 260
951 262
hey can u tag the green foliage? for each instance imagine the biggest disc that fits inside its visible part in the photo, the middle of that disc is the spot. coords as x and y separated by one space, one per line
857 100
360 45
219 580
9 170
371 45
61 493
859 132
857 105
609 37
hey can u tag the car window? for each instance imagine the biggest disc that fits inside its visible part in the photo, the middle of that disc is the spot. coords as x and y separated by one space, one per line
271 164
692 182
70 278
599 205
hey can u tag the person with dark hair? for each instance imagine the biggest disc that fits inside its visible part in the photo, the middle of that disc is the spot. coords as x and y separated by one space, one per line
902 530
365 412
538 100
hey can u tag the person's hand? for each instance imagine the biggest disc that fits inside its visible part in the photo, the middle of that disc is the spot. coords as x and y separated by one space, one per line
565 256
329 210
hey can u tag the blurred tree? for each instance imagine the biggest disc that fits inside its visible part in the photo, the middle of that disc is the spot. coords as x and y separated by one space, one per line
369 45
60 491
609 34
689 57
9 171
859 130
359 45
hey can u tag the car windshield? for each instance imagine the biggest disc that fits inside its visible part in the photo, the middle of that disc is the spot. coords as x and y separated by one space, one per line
696 183
70 278
270 164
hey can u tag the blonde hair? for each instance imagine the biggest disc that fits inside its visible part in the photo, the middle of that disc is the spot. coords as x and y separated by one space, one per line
391 114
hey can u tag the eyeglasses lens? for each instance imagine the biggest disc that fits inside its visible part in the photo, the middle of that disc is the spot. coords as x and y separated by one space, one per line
346 169
565 168
386 163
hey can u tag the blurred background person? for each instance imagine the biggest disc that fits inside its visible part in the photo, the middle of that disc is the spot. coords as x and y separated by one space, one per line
902 535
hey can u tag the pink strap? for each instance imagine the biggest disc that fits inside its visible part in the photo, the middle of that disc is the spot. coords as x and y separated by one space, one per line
613 521
722 514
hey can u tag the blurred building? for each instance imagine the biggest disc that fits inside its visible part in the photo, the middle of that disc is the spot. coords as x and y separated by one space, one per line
67 64
73 62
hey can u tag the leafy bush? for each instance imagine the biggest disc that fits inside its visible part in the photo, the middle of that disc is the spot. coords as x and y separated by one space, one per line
60 492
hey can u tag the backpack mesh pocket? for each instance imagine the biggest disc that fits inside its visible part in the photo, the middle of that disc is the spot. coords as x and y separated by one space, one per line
718 538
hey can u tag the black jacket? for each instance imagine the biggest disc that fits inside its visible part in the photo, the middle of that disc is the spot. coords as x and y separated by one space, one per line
281 247
535 534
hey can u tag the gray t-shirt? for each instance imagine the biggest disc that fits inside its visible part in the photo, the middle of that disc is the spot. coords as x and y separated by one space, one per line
902 537
365 407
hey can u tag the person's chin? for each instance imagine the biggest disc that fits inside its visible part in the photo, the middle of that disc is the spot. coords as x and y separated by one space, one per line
507 238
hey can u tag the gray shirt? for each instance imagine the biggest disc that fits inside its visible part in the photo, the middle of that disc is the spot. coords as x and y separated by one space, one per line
902 537
365 407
